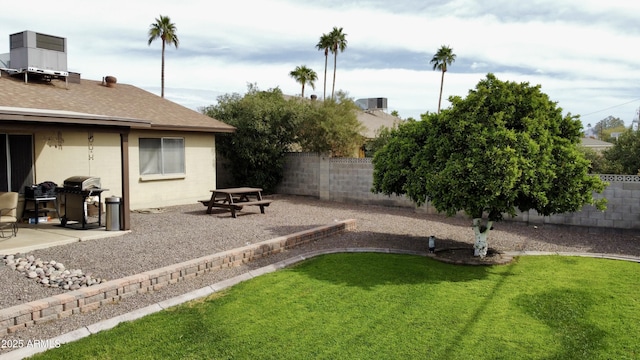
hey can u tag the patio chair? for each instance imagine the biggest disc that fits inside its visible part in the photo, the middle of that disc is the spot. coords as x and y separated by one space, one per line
8 214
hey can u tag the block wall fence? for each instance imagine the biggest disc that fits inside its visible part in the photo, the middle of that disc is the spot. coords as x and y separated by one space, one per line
351 179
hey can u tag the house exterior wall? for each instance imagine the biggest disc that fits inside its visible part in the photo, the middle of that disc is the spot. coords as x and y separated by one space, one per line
351 180
59 155
161 191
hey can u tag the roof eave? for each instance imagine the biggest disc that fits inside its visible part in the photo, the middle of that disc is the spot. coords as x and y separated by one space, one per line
229 129
71 120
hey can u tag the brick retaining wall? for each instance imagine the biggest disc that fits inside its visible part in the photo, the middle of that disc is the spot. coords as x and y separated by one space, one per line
90 298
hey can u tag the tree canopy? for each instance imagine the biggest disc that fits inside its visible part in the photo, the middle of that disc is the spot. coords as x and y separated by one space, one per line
265 124
441 61
624 156
304 75
268 126
331 126
505 147
605 127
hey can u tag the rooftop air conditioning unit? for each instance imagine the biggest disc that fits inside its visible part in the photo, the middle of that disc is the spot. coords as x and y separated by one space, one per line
372 103
38 53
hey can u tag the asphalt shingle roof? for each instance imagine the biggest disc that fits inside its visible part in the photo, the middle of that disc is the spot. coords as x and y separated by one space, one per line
373 120
90 97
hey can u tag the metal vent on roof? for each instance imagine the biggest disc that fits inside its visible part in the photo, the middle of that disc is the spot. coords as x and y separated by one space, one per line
372 103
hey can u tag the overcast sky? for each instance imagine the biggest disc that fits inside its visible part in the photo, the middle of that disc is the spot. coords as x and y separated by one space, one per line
582 52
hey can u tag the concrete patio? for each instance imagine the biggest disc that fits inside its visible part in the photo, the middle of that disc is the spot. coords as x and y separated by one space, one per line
32 237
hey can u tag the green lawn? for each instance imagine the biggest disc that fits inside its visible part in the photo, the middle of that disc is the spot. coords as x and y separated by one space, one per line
381 306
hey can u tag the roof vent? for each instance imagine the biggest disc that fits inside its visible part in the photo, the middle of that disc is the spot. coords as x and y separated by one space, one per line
109 81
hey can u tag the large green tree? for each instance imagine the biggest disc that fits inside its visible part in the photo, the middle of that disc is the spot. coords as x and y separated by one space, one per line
505 147
599 165
608 125
338 41
165 30
331 126
442 59
266 126
324 44
624 156
304 75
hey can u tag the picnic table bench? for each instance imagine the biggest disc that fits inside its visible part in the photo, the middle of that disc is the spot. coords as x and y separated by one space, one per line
235 199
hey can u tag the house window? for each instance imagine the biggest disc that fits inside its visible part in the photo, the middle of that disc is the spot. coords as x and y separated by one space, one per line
161 156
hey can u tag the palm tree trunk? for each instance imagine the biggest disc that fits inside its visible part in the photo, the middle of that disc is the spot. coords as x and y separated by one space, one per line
326 59
303 90
162 72
335 62
440 98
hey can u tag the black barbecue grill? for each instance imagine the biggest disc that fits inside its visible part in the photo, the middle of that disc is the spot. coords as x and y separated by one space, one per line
74 194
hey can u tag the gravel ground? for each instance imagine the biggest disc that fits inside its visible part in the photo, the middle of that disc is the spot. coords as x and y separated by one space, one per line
181 233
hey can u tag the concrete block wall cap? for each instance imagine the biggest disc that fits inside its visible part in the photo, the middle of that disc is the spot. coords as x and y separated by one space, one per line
131 279
166 270
98 289
42 304
11 312
65 297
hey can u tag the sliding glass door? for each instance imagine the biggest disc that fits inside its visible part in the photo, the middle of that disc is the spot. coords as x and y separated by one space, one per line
16 162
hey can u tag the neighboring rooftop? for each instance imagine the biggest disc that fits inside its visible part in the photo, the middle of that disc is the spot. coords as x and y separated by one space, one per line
595 144
373 120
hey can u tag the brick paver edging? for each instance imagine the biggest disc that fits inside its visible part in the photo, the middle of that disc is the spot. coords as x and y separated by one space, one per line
90 298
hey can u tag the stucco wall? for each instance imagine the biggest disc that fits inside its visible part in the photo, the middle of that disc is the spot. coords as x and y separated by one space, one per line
188 188
62 154
350 180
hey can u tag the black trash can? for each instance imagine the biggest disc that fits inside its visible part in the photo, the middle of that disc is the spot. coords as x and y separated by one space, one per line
113 213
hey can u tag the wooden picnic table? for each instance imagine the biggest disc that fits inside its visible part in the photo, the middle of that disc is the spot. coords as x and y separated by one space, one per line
235 199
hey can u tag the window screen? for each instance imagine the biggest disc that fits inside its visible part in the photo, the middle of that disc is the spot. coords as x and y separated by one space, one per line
161 156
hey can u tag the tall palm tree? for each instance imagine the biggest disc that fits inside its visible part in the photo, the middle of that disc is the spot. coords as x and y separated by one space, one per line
163 29
338 43
324 44
441 60
304 75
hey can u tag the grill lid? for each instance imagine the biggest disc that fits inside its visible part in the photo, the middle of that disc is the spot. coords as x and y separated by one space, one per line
82 183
